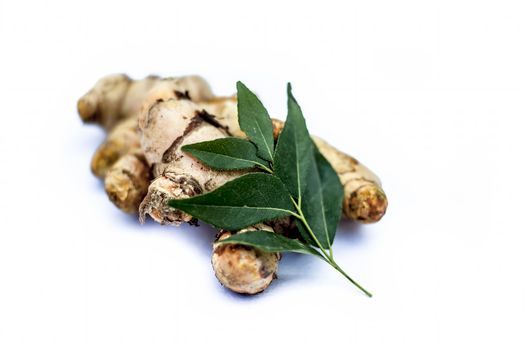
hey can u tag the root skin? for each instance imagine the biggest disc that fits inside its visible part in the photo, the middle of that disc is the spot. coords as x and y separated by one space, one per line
190 88
224 109
117 97
165 129
121 140
160 191
115 103
113 99
126 183
101 104
244 269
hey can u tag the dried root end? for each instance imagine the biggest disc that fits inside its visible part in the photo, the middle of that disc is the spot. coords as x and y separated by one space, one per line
101 104
122 140
127 182
367 204
160 191
87 108
243 269
104 158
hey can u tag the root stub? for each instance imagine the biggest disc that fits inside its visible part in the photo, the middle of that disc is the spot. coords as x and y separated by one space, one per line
163 189
367 204
126 183
243 269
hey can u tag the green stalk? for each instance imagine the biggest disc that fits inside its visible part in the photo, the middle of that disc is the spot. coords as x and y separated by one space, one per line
263 167
329 258
338 268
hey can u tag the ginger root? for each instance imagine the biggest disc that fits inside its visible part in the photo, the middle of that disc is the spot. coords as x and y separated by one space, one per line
113 98
126 183
244 269
121 140
165 127
115 103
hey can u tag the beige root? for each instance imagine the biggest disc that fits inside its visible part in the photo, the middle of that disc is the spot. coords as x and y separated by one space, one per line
113 98
114 103
241 268
121 163
121 140
127 182
117 97
165 127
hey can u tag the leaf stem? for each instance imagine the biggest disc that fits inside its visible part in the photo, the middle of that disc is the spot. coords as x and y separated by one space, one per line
328 257
338 268
265 168
308 228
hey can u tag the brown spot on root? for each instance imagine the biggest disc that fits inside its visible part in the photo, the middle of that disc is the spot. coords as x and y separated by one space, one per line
170 153
264 271
209 118
182 95
197 119
220 249
150 108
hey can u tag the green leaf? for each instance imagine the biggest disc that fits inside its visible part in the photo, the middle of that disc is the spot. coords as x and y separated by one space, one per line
271 242
322 201
255 121
226 154
247 200
293 151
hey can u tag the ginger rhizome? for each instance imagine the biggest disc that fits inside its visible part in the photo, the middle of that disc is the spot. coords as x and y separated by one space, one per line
244 269
148 121
165 127
115 103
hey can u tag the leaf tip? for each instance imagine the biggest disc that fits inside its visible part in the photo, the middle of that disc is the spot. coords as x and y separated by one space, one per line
240 85
291 97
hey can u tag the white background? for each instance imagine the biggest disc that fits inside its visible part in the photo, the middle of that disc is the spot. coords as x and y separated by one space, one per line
429 94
